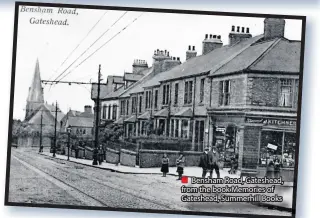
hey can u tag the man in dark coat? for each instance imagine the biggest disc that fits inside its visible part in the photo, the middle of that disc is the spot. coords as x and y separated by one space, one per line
215 158
206 162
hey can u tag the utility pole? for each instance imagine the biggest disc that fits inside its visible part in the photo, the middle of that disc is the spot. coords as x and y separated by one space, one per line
96 141
55 131
40 146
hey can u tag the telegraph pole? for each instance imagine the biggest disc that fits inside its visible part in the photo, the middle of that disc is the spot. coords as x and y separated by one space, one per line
40 146
96 141
55 131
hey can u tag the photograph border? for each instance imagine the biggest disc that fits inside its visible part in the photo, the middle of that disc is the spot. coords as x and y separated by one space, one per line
176 11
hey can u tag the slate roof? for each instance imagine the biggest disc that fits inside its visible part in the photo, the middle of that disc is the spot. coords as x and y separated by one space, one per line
119 121
203 63
114 94
144 116
80 121
184 112
162 113
277 55
132 77
116 79
131 119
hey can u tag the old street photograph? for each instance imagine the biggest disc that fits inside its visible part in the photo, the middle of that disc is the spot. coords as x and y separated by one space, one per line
119 109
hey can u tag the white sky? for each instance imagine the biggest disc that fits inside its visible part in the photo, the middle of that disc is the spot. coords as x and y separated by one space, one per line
51 44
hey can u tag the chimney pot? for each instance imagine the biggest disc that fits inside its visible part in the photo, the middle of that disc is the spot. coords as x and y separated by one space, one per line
248 30
168 54
210 36
178 59
193 48
238 28
206 36
214 36
189 48
243 29
232 28
174 58
218 37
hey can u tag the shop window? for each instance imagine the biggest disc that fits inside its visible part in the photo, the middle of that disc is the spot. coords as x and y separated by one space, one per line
285 99
277 145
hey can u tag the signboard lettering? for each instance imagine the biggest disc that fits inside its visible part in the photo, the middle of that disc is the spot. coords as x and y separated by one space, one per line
269 121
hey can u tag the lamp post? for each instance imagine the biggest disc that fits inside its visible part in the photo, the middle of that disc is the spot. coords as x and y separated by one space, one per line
69 131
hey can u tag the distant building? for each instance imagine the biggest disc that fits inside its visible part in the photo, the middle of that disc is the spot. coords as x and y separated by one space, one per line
37 108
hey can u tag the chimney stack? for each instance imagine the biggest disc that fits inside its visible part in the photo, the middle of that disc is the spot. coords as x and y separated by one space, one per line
274 28
191 52
235 37
88 109
210 44
139 65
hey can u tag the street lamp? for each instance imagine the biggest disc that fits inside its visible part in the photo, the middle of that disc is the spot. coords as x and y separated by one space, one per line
69 131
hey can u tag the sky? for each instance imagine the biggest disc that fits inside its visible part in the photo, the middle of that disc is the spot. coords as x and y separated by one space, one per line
51 44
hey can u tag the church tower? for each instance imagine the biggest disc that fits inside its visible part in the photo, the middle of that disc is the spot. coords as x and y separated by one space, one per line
35 97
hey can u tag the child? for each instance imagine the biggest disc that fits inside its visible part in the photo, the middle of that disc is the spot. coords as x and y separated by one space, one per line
180 165
165 165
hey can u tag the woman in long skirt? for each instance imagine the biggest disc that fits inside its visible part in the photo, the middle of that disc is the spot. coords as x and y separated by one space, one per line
165 165
180 165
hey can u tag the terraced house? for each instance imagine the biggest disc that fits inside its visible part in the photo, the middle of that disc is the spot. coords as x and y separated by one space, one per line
241 97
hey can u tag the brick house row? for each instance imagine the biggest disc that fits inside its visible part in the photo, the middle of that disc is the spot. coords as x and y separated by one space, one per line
241 97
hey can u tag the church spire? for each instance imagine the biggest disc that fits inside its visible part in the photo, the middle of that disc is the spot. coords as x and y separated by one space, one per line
35 97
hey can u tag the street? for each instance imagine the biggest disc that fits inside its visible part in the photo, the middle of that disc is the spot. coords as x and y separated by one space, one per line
39 179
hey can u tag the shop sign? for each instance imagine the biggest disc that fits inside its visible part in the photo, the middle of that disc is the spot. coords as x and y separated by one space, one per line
221 129
271 146
274 122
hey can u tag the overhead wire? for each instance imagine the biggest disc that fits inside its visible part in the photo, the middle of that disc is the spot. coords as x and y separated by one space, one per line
101 46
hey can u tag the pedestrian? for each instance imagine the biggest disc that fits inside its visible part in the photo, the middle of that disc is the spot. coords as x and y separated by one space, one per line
234 165
270 169
180 165
165 165
215 159
206 162
277 165
100 154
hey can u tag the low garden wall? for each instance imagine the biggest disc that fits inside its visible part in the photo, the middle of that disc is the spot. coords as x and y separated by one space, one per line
88 153
128 158
153 158
112 156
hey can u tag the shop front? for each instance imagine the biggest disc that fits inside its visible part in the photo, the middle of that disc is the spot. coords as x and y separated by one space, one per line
256 142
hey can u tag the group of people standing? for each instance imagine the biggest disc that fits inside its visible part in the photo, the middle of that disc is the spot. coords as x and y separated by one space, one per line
208 162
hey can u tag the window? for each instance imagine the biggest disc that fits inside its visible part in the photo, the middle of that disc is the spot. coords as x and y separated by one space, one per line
201 90
285 99
114 112
140 104
165 94
134 105
109 112
127 109
122 107
224 91
104 112
188 90
84 131
148 99
156 99
176 93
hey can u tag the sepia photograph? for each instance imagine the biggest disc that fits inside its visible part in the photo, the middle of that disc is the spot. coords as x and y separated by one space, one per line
155 110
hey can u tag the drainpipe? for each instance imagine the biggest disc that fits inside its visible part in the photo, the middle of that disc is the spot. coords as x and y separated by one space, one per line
193 113
169 111
210 97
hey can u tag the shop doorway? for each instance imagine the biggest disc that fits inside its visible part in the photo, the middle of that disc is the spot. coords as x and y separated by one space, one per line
199 135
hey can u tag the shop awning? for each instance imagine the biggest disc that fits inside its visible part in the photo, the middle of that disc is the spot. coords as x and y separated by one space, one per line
144 116
185 112
162 113
131 119
119 121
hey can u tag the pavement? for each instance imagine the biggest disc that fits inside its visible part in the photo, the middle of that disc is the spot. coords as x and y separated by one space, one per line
285 190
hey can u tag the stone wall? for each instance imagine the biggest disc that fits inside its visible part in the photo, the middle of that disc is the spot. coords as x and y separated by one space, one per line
128 158
153 158
112 156
88 153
